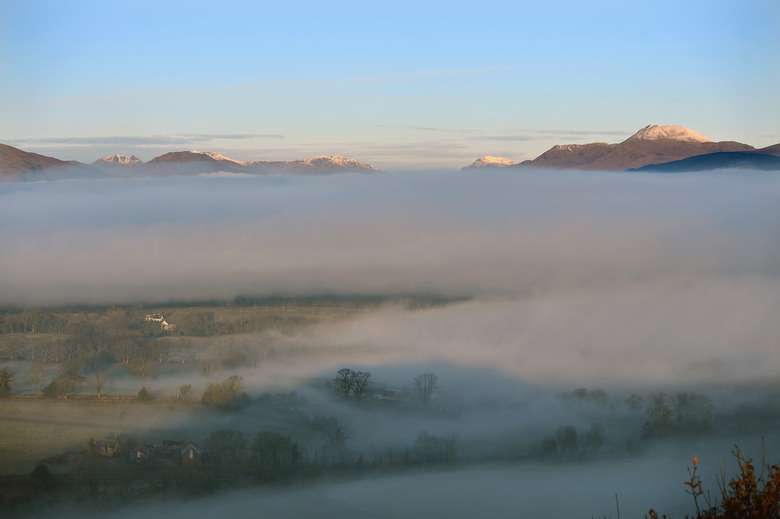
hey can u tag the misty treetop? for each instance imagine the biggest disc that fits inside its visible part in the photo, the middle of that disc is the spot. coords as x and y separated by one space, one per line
353 383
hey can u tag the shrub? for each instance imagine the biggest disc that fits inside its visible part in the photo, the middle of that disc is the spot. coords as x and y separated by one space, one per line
746 496
222 393
144 395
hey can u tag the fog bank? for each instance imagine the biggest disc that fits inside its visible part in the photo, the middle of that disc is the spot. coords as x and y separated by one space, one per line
486 234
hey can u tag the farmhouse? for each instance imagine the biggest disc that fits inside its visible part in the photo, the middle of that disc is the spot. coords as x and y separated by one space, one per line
139 453
159 318
185 452
190 454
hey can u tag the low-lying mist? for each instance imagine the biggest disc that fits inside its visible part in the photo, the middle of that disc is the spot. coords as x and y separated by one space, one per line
573 277
485 234
628 283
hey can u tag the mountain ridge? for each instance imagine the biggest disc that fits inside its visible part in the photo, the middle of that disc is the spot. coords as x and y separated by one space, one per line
17 164
653 144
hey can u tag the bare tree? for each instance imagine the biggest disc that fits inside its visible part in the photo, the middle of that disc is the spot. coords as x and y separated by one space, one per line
14 349
426 384
359 382
342 381
99 379
36 375
43 349
349 382
185 347
140 366
160 350
184 390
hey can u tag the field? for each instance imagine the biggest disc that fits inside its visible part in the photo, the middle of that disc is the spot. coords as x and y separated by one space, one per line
32 429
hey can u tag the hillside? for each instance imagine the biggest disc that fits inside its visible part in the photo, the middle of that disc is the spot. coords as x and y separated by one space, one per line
19 164
719 160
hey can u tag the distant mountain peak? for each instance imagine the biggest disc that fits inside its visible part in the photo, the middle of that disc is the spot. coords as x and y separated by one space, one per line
217 156
490 161
118 159
653 132
333 162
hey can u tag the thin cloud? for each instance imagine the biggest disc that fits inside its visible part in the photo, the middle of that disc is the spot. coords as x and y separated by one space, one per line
583 132
232 136
506 138
149 140
444 130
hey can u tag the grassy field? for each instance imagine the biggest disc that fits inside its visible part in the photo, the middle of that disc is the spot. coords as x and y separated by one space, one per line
32 429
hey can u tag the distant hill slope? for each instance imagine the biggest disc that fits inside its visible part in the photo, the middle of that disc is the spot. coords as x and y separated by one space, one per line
190 163
772 150
718 160
653 144
570 155
24 165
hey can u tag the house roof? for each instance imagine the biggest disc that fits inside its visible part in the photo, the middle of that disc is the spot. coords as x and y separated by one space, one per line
191 446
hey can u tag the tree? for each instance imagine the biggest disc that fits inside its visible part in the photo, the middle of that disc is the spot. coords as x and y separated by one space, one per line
435 449
6 378
42 476
566 438
184 390
692 412
342 382
593 439
274 456
426 384
359 382
144 395
160 350
222 393
185 346
14 348
99 380
336 449
659 416
125 349
36 375
140 366
227 447
64 384
349 382
43 348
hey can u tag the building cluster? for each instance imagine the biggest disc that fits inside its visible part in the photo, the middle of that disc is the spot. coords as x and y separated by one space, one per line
179 452
158 318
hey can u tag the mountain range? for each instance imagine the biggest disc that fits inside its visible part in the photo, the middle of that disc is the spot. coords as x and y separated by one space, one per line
646 150
16 164
653 148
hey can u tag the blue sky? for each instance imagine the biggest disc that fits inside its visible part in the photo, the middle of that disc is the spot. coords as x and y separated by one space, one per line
398 84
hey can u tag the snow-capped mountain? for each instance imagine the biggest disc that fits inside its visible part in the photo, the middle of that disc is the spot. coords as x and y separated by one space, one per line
221 158
653 132
489 161
321 164
197 162
122 160
653 144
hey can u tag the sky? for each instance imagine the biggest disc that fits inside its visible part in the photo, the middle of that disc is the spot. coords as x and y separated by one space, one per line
424 84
